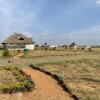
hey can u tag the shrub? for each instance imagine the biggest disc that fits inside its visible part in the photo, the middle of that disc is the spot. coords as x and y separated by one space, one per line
22 83
6 53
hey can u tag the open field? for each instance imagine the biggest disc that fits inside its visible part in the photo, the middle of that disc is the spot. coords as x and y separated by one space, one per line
64 52
81 76
80 68
52 53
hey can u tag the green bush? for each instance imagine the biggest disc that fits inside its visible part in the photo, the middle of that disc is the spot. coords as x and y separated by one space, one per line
17 87
6 53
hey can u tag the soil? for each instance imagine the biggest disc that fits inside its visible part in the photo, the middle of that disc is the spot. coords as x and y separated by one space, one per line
18 56
46 88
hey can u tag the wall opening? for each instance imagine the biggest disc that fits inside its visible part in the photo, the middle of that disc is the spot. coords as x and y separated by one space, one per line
21 38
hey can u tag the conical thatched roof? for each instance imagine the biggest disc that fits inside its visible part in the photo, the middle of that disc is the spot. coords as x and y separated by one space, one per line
18 38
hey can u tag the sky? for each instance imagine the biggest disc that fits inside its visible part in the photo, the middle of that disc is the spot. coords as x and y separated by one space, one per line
52 21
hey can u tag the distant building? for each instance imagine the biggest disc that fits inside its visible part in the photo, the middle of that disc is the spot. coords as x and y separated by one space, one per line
53 46
73 45
65 46
45 46
89 48
18 41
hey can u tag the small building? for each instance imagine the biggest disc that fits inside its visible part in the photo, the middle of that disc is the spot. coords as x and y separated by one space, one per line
18 41
73 46
45 46
52 46
64 46
88 48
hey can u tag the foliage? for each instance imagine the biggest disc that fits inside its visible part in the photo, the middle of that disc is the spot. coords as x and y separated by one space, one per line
6 53
21 85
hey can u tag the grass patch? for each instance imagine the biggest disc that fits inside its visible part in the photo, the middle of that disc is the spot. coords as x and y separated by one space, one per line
8 53
14 80
82 76
51 53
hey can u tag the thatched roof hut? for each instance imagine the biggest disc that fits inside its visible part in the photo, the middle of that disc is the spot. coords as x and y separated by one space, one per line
18 40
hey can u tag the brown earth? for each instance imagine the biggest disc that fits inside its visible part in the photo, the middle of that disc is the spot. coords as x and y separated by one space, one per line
18 56
46 88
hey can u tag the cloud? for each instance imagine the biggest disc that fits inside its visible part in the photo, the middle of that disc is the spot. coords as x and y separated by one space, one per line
91 30
37 16
27 34
97 1
89 35
16 17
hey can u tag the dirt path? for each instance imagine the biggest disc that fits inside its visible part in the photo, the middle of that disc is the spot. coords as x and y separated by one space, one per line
46 88
18 55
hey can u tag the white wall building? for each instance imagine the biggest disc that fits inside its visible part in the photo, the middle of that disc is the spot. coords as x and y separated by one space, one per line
18 41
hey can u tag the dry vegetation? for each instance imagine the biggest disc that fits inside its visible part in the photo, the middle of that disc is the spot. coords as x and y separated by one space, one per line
14 80
8 53
81 71
50 53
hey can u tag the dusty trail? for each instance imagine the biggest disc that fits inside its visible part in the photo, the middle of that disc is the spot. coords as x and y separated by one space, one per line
46 88
18 55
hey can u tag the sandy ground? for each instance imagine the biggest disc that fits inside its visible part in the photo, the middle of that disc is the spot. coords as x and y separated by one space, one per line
46 88
18 56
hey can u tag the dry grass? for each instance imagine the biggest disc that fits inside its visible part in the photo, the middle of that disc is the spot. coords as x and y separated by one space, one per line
11 52
14 80
50 53
1 51
82 73
82 76
81 69
4 79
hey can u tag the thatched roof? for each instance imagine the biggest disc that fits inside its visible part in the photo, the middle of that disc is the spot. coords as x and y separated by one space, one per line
17 38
